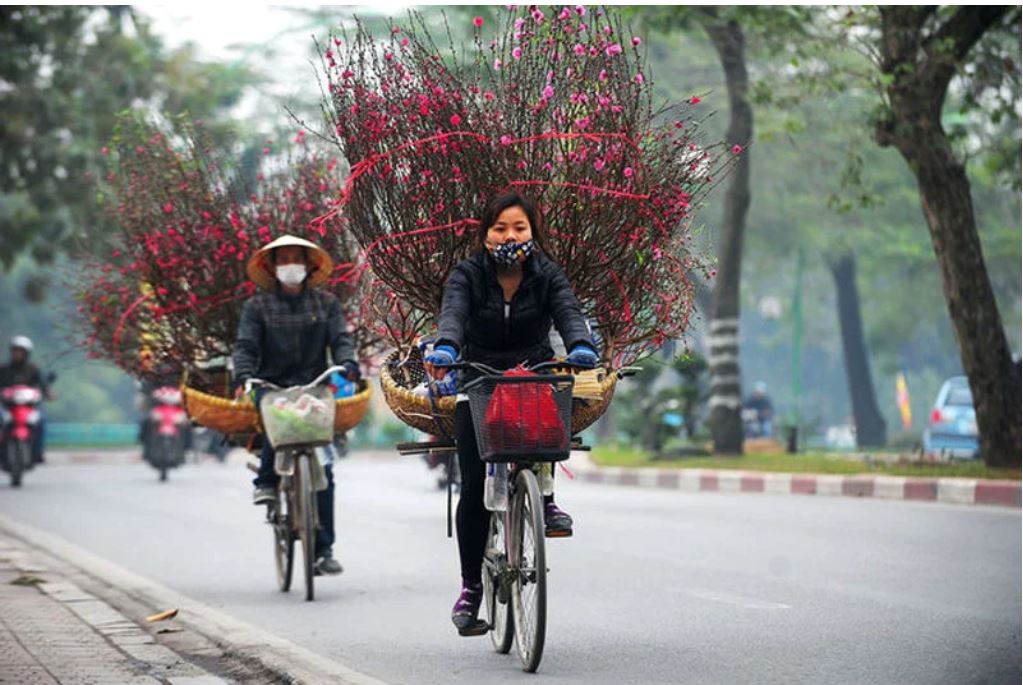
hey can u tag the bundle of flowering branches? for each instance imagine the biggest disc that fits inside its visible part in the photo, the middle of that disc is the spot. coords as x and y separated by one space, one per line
172 289
557 105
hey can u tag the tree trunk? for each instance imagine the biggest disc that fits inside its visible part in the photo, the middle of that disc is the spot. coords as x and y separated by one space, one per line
870 426
980 336
723 341
916 95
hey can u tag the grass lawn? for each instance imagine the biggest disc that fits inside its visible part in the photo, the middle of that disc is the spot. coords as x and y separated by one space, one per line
809 462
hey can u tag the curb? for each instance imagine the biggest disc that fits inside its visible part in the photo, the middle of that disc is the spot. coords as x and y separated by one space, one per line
288 661
1002 493
137 647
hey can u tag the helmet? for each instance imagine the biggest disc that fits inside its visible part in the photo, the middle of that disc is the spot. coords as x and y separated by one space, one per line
24 342
760 387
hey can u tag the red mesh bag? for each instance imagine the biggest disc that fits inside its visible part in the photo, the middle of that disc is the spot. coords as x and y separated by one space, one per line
523 416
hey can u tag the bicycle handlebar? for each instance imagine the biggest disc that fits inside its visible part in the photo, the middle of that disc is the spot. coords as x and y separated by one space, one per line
319 379
491 371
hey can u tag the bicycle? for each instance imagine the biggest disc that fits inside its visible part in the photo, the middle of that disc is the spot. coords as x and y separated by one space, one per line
515 559
293 514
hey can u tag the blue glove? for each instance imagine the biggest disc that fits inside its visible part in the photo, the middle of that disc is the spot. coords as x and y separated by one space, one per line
583 355
442 355
352 372
447 385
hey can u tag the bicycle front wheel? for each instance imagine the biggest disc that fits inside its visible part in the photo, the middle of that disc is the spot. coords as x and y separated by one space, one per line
284 538
306 520
496 589
529 563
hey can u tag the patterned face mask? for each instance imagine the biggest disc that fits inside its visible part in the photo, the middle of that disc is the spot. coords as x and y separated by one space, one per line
511 253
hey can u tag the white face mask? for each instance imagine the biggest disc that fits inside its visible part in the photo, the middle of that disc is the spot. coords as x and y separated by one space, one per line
291 274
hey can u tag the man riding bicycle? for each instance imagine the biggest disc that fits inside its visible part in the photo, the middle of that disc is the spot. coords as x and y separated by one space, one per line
284 337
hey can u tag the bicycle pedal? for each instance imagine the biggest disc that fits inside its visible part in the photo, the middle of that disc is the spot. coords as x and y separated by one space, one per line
558 533
475 630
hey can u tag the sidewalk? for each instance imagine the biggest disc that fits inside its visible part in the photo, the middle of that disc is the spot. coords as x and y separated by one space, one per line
52 631
1005 493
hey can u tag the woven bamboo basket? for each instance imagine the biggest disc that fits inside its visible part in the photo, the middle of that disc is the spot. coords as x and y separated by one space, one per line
399 374
233 417
403 371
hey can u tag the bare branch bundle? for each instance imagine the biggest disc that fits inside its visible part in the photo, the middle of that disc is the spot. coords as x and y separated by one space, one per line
556 106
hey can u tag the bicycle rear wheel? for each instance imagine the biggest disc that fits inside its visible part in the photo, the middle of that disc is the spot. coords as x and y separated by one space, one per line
306 520
284 538
495 564
529 561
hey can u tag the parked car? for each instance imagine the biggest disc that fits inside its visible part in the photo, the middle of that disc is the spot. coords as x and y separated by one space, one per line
953 422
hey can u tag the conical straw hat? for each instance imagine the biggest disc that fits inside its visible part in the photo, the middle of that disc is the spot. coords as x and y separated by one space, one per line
261 267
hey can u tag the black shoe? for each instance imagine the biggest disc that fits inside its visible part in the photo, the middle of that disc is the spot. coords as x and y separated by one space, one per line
264 494
463 614
327 565
558 523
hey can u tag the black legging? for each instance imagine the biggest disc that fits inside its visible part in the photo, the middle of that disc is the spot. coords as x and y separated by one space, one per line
472 518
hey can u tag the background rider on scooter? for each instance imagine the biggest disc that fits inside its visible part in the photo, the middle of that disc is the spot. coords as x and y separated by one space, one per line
20 371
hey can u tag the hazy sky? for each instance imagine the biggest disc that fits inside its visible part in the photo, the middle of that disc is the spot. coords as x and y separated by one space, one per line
220 30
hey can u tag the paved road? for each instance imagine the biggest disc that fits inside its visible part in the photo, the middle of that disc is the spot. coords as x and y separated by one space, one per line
656 587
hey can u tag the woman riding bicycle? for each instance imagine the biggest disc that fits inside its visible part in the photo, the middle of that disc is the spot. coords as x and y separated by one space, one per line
497 309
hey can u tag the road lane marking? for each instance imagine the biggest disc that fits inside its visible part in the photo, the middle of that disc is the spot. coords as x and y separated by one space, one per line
737 600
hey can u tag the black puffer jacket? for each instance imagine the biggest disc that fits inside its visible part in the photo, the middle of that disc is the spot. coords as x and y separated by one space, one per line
473 321
25 373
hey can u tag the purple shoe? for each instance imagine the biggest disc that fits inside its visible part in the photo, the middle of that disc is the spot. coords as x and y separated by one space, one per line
463 614
557 522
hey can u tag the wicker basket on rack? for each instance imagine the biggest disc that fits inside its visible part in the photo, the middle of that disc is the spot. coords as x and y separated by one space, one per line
240 416
403 371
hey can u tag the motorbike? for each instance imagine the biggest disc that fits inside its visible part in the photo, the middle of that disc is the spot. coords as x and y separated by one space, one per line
756 423
166 436
21 416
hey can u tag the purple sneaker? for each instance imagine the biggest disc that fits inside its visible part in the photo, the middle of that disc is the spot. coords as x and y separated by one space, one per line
463 614
557 522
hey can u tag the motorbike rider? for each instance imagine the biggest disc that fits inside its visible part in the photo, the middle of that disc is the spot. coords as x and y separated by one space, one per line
21 371
284 337
159 375
760 412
